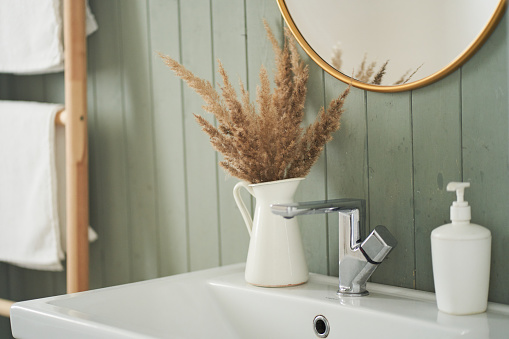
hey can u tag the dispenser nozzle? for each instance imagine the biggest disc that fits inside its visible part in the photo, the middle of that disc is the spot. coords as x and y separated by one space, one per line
460 211
459 187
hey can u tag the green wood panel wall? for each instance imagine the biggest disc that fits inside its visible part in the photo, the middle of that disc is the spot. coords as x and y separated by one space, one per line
347 165
4 268
391 187
230 46
138 138
437 161
201 168
485 126
168 122
108 170
161 204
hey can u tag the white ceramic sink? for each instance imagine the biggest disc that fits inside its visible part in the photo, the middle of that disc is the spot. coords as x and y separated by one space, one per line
218 303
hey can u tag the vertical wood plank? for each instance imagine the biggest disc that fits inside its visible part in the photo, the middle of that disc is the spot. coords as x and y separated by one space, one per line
5 328
437 161
486 149
95 249
391 182
5 86
27 88
229 46
168 139
347 167
200 158
53 86
28 284
314 228
138 125
259 49
4 281
111 198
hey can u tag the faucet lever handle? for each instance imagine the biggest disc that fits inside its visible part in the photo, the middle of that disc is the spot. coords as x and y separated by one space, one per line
377 245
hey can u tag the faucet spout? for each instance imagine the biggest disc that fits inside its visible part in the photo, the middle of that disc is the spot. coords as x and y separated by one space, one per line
358 259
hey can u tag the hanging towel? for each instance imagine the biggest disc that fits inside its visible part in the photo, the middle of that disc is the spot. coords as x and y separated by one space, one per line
30 225
31 39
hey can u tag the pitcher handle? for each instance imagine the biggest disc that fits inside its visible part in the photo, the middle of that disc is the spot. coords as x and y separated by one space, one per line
240 204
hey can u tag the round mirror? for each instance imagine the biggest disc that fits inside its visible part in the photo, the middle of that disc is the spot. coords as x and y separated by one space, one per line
391 45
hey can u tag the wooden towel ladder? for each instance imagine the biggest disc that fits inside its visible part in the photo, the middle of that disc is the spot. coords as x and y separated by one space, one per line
75 120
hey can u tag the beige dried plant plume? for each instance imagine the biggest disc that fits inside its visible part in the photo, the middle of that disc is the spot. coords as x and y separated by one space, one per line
366 70
270 144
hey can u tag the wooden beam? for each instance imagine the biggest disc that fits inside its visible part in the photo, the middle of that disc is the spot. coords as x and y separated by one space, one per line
77 204
60 118
5 307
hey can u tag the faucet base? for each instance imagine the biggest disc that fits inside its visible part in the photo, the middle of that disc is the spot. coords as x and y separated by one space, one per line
352 294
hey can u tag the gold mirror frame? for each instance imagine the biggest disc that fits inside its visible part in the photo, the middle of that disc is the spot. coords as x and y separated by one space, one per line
456 63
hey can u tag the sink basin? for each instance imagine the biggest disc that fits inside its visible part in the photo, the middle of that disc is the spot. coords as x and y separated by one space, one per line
218 303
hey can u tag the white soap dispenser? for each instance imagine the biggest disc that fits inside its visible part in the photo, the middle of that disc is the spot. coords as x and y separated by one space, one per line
461 254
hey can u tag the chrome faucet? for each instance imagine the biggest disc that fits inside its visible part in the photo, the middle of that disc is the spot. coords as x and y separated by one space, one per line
357 259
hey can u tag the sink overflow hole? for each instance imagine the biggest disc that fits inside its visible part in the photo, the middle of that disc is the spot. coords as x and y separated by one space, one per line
321 326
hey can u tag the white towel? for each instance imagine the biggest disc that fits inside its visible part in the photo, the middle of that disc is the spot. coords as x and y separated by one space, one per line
30 225
31 36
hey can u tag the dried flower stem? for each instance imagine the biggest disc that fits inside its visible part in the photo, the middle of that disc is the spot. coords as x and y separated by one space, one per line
270 145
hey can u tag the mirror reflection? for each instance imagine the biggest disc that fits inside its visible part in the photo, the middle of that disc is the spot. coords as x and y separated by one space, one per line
390 42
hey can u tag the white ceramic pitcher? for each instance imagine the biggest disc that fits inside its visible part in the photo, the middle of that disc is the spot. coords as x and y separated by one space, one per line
276 255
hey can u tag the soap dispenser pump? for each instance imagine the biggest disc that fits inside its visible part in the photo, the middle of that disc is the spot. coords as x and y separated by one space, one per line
461 254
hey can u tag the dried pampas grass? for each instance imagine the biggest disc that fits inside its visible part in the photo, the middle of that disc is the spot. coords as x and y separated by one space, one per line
270 144
366 71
